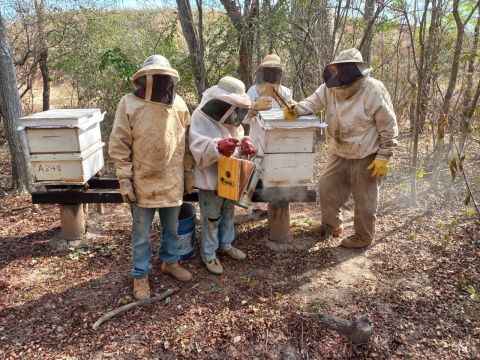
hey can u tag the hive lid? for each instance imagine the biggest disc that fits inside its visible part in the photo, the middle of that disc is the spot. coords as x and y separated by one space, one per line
61 118
274 118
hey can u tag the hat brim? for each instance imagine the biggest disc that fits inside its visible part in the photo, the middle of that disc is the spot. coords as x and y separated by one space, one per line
271 64
157 70
349 61
239 100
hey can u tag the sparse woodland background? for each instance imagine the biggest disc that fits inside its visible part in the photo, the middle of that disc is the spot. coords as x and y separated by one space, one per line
82 54
420 280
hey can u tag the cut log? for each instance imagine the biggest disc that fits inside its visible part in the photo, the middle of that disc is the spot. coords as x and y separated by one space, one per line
127 307
357 331
279 221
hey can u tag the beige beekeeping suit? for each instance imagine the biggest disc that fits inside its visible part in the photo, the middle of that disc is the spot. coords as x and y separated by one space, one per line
149 142
362 127
360 117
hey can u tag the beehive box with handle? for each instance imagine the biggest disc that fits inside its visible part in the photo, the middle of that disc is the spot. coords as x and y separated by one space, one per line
62 130
65 145
67 168
285 148
275 134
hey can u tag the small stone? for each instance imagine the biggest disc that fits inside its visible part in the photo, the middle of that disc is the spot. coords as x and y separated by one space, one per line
237 339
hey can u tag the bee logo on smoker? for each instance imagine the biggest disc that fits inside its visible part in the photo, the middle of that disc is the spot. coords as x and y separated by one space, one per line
227 182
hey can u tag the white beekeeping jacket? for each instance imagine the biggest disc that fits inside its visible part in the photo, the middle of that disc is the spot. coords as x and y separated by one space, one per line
205 133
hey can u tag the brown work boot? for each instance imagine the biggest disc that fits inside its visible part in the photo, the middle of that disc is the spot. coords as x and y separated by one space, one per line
354 242
326 231
178 272
141 289
214 266
235 254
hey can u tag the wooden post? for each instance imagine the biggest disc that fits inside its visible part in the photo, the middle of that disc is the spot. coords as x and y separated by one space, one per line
72 219
279 221
100 208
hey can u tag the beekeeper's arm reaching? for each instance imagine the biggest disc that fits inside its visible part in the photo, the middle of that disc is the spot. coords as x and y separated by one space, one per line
311 105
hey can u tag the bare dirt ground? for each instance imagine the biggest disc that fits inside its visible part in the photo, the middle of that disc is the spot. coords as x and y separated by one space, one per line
419 283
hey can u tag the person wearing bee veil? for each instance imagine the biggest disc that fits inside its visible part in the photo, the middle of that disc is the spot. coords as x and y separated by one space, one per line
269 77
149 149
216 131
361 134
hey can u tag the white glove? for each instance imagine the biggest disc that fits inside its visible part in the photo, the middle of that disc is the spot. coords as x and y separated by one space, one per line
126 189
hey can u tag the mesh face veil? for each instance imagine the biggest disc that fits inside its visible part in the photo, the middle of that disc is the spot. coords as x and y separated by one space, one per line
224 112
343 74
156 88
272 75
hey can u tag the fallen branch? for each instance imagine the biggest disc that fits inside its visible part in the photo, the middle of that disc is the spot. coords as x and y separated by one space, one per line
358 331
127 307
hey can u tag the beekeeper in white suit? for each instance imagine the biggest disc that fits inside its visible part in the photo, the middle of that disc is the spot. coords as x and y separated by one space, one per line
269 76
361 134
216 131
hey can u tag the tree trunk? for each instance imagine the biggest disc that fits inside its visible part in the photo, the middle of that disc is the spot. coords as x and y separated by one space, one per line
245 26
43 54
194 39
443 118
369 29
468 103
11 112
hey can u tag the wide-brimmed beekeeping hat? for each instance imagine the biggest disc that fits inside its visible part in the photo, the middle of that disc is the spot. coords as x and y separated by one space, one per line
349 56
157 65
271 60
230 90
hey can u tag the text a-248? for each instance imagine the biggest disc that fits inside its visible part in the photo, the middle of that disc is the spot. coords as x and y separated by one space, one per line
49 168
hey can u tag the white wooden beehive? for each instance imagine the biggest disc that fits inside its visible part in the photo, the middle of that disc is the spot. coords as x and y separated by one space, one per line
65 145
62 130
67 168
286 148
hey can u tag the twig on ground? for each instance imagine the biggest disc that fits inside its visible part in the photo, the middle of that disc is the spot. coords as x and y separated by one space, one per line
127 307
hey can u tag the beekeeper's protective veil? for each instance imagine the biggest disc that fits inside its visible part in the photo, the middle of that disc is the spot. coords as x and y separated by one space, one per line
346 72
214 119
226 102
156 80
269 75
149 136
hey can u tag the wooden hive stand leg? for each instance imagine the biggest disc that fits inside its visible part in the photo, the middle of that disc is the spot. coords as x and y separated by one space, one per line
72 219
279 221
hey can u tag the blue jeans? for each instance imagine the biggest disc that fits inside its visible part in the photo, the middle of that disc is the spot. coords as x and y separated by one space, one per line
216 216
142 244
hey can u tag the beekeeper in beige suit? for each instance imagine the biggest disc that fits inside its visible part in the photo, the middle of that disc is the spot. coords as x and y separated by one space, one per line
361 134
149 148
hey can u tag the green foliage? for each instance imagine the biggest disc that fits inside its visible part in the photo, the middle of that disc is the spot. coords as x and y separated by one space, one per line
119 61
76 254
420 174
448 234
317 305
215 287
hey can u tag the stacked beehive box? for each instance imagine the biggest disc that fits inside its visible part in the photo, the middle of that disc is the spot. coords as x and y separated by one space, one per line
286 148
65 145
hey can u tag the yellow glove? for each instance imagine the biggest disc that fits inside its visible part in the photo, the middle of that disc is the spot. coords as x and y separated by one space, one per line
290 114
291 102
379 167
263 103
